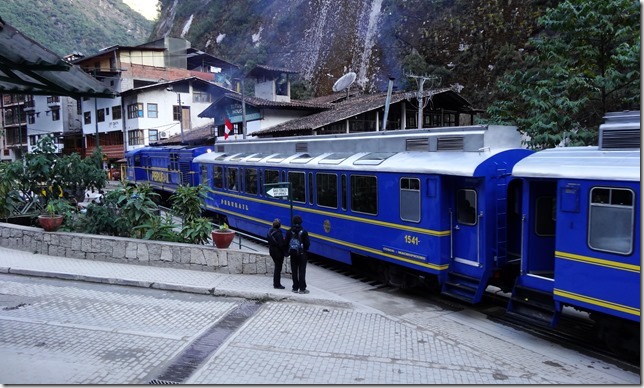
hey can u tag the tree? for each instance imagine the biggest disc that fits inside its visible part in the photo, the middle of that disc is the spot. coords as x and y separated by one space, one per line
583 64
43 175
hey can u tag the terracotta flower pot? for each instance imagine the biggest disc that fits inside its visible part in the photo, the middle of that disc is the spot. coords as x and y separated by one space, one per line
50 223
222 239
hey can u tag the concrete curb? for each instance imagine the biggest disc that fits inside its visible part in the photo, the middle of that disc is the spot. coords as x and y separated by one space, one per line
254 295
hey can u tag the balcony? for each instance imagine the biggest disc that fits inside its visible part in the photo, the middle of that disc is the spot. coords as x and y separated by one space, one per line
29 105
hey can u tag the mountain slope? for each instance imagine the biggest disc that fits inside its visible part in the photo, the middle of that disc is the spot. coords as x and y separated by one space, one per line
66 26
461 43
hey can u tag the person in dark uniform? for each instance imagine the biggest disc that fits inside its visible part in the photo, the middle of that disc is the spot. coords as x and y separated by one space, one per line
276 248
298 256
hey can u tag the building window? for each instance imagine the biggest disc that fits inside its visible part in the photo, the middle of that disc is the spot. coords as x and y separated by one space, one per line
55 114
176 113
198 96
31 119
153 135
116 112
135 137
100 115
153 111
87 117
134 111
79 107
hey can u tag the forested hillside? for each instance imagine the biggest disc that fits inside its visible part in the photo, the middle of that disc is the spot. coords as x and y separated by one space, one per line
66 26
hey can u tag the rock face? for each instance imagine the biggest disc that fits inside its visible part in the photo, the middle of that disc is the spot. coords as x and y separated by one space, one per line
466 45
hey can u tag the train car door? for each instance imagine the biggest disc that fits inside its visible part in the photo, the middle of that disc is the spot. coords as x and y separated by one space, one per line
465 227
539 229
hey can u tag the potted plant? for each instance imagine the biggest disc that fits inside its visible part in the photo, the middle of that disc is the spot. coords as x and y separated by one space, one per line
51 220
223 236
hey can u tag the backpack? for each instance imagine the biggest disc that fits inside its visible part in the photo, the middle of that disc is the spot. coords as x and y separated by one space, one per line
295 245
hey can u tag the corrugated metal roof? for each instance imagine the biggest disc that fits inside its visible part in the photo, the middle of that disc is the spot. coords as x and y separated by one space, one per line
26 67
347 109
211 111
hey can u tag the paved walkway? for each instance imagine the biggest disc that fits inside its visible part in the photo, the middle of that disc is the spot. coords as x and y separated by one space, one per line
323 338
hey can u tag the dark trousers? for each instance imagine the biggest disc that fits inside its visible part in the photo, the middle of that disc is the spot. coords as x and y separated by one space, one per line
279 262
298 271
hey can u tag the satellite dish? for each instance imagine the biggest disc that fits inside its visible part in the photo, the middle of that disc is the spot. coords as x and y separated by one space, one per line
344 82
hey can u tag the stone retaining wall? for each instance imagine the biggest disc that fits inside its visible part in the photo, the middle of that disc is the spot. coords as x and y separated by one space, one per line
134 251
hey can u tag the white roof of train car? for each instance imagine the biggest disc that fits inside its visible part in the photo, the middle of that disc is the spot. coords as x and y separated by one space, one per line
444 163
581 163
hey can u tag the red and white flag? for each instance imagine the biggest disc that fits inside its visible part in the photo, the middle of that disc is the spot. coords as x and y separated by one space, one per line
228 129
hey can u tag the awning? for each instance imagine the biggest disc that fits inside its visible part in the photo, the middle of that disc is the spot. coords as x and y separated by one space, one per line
26 67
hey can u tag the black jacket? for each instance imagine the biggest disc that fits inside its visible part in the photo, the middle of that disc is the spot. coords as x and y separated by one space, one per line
276 243
305 236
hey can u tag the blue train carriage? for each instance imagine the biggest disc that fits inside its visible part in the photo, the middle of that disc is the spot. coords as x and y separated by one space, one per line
166 167
581 231
439 209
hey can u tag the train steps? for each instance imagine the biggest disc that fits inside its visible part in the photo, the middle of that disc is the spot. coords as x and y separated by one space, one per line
464 288
533 305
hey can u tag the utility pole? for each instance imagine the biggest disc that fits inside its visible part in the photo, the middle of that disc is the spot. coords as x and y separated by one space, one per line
420 80
243 110
180 116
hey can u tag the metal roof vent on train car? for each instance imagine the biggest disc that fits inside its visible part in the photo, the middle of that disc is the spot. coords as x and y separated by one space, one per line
620 130
450 143
301 147
417 144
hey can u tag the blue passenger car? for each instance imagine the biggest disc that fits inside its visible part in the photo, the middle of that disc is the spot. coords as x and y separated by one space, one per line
580 233
165 168
435 210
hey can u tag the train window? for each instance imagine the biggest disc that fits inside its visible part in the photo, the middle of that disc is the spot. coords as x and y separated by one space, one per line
374 158
250 180
218 177
276 158
271 176
546 216
466 207
311 188
610 224
256 157
335 158
204 175
238 157
231 178
297 186
327 189
137 160
364 194
343 182
410 199
304 158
